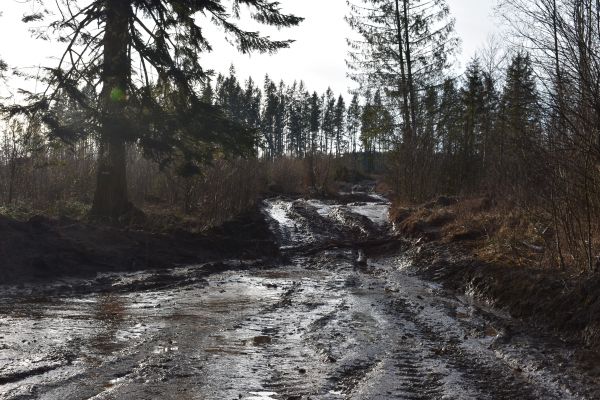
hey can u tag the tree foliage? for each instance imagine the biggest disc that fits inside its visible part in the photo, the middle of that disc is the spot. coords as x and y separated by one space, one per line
165 111
133 68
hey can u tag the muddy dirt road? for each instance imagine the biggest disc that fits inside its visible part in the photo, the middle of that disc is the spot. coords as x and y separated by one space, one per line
327 323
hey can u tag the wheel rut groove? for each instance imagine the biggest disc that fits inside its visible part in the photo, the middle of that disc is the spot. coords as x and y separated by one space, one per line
317 325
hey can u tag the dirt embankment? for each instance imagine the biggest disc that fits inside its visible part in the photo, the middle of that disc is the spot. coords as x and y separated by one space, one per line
46 249
499 257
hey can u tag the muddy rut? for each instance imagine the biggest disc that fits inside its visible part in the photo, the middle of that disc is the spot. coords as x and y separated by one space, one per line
331 321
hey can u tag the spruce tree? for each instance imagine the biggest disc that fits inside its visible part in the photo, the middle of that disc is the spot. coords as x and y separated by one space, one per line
472 98
306 121
449 133
339 121
353 122
368 125
208 93
489 119
520 121
295 122
3 68
106 41
268 116
230 96
377 127
315 120
251 104
328 122
429 120
405 47
3 65
280 120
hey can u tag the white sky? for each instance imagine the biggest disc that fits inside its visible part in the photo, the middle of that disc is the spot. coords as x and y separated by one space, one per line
317 56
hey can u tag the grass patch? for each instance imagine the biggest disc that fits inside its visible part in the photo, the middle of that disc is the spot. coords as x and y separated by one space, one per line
495 232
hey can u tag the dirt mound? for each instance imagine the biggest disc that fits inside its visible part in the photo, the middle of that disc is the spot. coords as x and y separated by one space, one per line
356 225
568 306
45 249
493 254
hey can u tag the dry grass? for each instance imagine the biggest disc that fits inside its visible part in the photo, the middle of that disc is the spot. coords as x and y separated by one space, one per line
287 175
495 232
505 234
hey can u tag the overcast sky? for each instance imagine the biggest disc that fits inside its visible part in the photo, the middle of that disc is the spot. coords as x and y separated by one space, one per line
317 56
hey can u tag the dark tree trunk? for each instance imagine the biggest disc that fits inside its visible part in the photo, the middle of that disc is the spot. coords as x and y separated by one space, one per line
110 200
408 136
411 84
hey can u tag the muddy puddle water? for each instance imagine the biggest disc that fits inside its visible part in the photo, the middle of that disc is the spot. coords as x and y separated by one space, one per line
318 326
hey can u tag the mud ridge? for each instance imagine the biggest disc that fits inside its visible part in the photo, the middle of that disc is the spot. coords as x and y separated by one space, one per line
43 249
549 300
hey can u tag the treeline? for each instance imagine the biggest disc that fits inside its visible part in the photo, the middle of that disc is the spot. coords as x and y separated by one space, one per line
131 70
521 124
563 38
291 120
477 132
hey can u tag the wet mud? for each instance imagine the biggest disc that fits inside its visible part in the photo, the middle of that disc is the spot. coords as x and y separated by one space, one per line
350 320
44 249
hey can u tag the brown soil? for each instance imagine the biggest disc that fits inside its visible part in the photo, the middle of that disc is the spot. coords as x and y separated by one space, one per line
462 251
46 249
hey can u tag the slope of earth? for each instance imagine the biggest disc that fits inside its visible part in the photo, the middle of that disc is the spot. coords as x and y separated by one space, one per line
45 249
502 258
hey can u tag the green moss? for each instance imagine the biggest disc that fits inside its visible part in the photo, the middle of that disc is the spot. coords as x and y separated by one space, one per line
117 95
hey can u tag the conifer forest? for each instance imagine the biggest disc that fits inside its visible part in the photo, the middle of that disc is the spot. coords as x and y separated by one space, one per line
293 200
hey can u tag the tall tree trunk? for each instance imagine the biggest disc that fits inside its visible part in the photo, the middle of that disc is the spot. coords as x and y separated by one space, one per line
403 81
411 83
111 199
557 68
13 173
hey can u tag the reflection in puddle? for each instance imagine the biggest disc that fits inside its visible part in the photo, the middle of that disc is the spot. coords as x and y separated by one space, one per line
165 349
110 311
